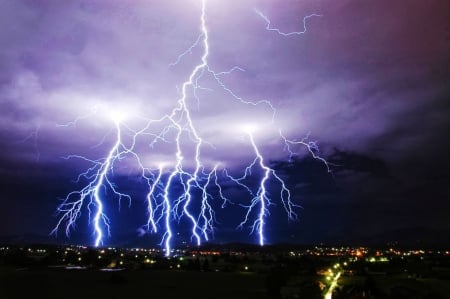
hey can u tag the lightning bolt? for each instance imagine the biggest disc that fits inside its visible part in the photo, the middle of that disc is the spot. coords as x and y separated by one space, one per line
33 136
310 145
262 198
150 199
165 206
270 28
98 175
178 170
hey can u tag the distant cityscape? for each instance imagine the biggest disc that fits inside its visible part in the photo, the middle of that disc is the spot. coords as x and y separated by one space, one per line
250 271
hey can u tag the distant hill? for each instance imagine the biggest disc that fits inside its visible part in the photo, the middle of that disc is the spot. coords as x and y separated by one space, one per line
419 237
416 237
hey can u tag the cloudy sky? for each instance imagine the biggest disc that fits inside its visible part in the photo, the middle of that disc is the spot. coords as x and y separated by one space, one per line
368 80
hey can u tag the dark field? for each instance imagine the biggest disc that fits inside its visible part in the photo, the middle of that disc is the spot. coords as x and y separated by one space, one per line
61 283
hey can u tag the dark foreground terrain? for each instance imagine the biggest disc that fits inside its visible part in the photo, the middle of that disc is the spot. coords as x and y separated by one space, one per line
62 283
274 273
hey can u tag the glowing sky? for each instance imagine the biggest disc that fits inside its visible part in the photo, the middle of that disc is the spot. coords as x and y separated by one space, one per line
368 80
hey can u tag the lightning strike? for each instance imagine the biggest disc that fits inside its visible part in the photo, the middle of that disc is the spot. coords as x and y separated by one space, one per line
270 28
71 209
164 206
261 196
310 145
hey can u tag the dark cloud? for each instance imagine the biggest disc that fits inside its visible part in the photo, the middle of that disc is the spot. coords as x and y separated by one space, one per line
358 163
368 80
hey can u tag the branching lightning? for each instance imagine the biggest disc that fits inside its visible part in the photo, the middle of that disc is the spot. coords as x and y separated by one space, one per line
310 145
270 28
261 199
201 186
98 175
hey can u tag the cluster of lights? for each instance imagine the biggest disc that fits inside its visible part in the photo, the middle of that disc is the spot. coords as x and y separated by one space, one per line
38 251
332 276
332 251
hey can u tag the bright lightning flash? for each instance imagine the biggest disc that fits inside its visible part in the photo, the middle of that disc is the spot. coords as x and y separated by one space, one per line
164 206
98 175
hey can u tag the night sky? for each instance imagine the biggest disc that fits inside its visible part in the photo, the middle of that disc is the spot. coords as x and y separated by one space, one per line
368 81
